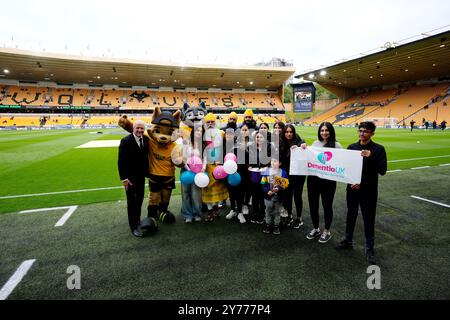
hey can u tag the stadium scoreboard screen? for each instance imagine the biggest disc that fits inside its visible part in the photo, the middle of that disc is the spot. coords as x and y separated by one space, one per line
304 97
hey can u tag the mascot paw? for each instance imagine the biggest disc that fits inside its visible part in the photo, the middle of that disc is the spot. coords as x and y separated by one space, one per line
166 217
149 225
125 123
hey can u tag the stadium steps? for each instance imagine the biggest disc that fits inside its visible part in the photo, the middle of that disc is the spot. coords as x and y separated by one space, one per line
365 115
416 113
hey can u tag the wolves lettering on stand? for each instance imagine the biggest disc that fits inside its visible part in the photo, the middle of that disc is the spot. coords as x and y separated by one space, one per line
24 100
171 105
104 103
67 97
227 102
204 101
139 96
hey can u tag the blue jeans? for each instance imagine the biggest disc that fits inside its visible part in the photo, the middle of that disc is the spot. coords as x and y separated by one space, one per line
191 201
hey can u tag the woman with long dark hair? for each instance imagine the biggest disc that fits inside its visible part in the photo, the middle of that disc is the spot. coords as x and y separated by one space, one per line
243 140
291 140
278 128
191 195
260 152
322 188
264 129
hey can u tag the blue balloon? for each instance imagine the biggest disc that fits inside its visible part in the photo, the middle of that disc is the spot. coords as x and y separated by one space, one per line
187 177
234 179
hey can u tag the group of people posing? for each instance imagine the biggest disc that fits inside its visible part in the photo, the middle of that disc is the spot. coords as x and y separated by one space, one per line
267 192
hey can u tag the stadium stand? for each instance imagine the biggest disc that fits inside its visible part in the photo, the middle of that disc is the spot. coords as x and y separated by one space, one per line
132 99
10 120
403 104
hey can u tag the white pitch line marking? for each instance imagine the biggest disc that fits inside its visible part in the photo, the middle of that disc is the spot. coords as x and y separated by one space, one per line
412 159
418 168
61 192
66 216
15 279
444 165
58 192
398 170
431 201
99 144
62 220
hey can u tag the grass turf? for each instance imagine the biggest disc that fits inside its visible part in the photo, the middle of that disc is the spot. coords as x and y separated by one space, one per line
221 260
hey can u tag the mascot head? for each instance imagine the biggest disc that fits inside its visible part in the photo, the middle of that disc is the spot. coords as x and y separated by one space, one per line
164 124
193 116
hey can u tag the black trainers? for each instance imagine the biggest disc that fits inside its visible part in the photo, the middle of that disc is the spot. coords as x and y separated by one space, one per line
260 220
344 245
325 237
210 216
267 229
370 256
276 230
314 233
296 224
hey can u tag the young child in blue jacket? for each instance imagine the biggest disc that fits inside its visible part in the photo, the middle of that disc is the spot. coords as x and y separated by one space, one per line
272 186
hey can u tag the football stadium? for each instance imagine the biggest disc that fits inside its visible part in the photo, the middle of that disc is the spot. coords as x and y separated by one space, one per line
63 209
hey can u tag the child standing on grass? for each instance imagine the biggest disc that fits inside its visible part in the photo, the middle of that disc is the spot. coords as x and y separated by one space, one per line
272 186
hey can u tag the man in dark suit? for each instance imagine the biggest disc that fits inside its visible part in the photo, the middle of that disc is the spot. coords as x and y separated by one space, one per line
133 168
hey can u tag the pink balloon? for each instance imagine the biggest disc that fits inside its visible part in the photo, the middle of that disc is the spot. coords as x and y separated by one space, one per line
195 164
230 156
219 173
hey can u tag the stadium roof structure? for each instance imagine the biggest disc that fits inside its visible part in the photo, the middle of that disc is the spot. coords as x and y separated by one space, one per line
31 66
424 59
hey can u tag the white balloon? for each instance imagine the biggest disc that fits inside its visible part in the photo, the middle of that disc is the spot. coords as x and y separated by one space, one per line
201 180
230 167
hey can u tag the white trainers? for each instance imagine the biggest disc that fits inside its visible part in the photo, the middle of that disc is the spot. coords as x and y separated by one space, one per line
231 215
241 218
197 219
245 209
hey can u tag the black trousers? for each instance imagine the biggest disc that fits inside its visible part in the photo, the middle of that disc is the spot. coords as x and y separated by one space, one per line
236 197
258 207
294 190
135 197
325 189
246 185
367 201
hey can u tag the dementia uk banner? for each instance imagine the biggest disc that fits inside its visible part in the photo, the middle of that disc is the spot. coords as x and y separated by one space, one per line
328 163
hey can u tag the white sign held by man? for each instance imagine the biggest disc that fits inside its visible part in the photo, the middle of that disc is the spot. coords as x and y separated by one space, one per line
328 163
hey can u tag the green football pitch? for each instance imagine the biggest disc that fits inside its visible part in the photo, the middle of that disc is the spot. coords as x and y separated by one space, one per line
223 259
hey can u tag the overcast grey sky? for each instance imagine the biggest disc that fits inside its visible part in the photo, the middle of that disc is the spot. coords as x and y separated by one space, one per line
310 33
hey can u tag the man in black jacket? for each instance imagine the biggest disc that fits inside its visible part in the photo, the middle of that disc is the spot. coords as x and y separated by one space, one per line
232 121
249 121
133 168
365 194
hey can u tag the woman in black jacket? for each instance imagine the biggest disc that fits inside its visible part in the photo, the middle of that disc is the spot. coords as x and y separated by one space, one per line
322 188
259 159
291 140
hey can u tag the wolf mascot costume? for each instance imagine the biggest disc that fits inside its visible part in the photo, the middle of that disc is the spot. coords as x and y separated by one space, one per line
162 149
193 116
